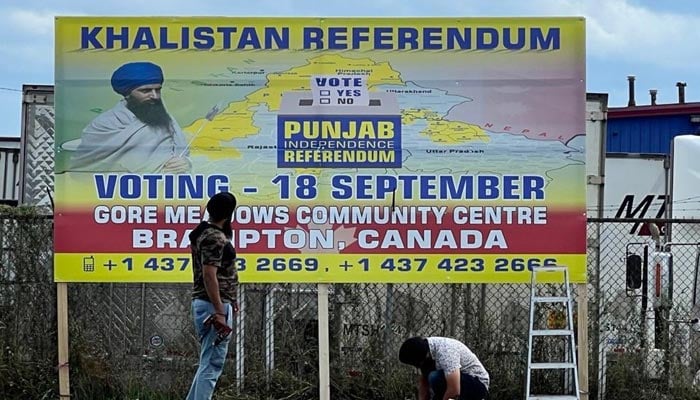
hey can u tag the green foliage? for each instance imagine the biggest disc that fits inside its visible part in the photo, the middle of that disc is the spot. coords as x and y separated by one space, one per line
18 212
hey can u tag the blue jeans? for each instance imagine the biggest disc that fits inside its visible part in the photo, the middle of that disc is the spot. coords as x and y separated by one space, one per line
471 388
211 358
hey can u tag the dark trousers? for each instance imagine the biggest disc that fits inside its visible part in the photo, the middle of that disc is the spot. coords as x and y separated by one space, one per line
471 387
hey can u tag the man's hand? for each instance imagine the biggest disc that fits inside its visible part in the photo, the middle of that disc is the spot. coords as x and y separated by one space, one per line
220 320
177 165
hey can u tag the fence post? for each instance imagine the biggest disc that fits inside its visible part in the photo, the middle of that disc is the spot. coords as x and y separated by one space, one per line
582 310
240 338
63 357
324 386
269 314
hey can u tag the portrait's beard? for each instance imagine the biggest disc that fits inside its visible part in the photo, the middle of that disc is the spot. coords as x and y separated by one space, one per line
150 112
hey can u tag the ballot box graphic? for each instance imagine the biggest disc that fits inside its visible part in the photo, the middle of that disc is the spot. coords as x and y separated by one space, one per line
315 135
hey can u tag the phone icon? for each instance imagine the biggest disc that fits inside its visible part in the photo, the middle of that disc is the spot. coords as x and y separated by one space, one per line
89 264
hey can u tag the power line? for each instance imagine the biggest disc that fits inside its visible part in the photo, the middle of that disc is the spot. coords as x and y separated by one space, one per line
10 89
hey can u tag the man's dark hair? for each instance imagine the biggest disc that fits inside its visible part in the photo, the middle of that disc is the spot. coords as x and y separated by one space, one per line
414 351
220 208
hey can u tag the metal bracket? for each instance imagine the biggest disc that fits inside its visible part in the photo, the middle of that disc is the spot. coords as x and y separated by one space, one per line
597 116
595 180
38 98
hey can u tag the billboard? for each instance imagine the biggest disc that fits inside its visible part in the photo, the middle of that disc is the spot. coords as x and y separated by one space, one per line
360 149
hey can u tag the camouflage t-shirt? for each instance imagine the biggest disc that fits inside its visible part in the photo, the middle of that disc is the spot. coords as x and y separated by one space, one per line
213 248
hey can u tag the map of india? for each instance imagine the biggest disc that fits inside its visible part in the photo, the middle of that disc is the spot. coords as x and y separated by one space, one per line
242 135
236 120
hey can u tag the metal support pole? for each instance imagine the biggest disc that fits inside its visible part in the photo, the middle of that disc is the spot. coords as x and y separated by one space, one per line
324 386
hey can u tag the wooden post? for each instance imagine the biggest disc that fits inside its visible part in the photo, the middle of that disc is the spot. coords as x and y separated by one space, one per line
582 353
323 344
62 314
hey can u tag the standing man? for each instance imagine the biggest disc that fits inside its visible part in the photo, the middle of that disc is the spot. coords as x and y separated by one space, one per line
137 134
449 369
213 292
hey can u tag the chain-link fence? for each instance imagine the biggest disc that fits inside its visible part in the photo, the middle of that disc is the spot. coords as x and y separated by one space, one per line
136 341
644 297
27 307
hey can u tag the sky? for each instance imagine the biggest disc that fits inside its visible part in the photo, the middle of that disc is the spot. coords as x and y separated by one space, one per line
657 41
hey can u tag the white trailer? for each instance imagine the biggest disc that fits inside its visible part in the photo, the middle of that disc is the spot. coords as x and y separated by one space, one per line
649 271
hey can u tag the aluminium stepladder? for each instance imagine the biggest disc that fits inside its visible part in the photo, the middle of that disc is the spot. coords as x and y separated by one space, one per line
568 332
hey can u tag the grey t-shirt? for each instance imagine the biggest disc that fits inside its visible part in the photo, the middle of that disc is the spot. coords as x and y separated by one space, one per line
450 355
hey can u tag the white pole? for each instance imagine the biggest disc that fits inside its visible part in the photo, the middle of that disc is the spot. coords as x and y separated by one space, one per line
269 334
63 356
240 338
323 344
583 339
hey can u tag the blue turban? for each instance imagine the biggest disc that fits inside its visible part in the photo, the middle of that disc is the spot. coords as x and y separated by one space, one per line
132 75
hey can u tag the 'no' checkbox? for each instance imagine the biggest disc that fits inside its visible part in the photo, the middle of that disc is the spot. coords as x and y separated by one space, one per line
325 100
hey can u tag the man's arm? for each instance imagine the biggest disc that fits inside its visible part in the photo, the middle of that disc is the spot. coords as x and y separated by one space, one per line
453 385
423 389
211 284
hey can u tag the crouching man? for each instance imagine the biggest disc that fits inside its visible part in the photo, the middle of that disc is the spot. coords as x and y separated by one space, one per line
449 369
